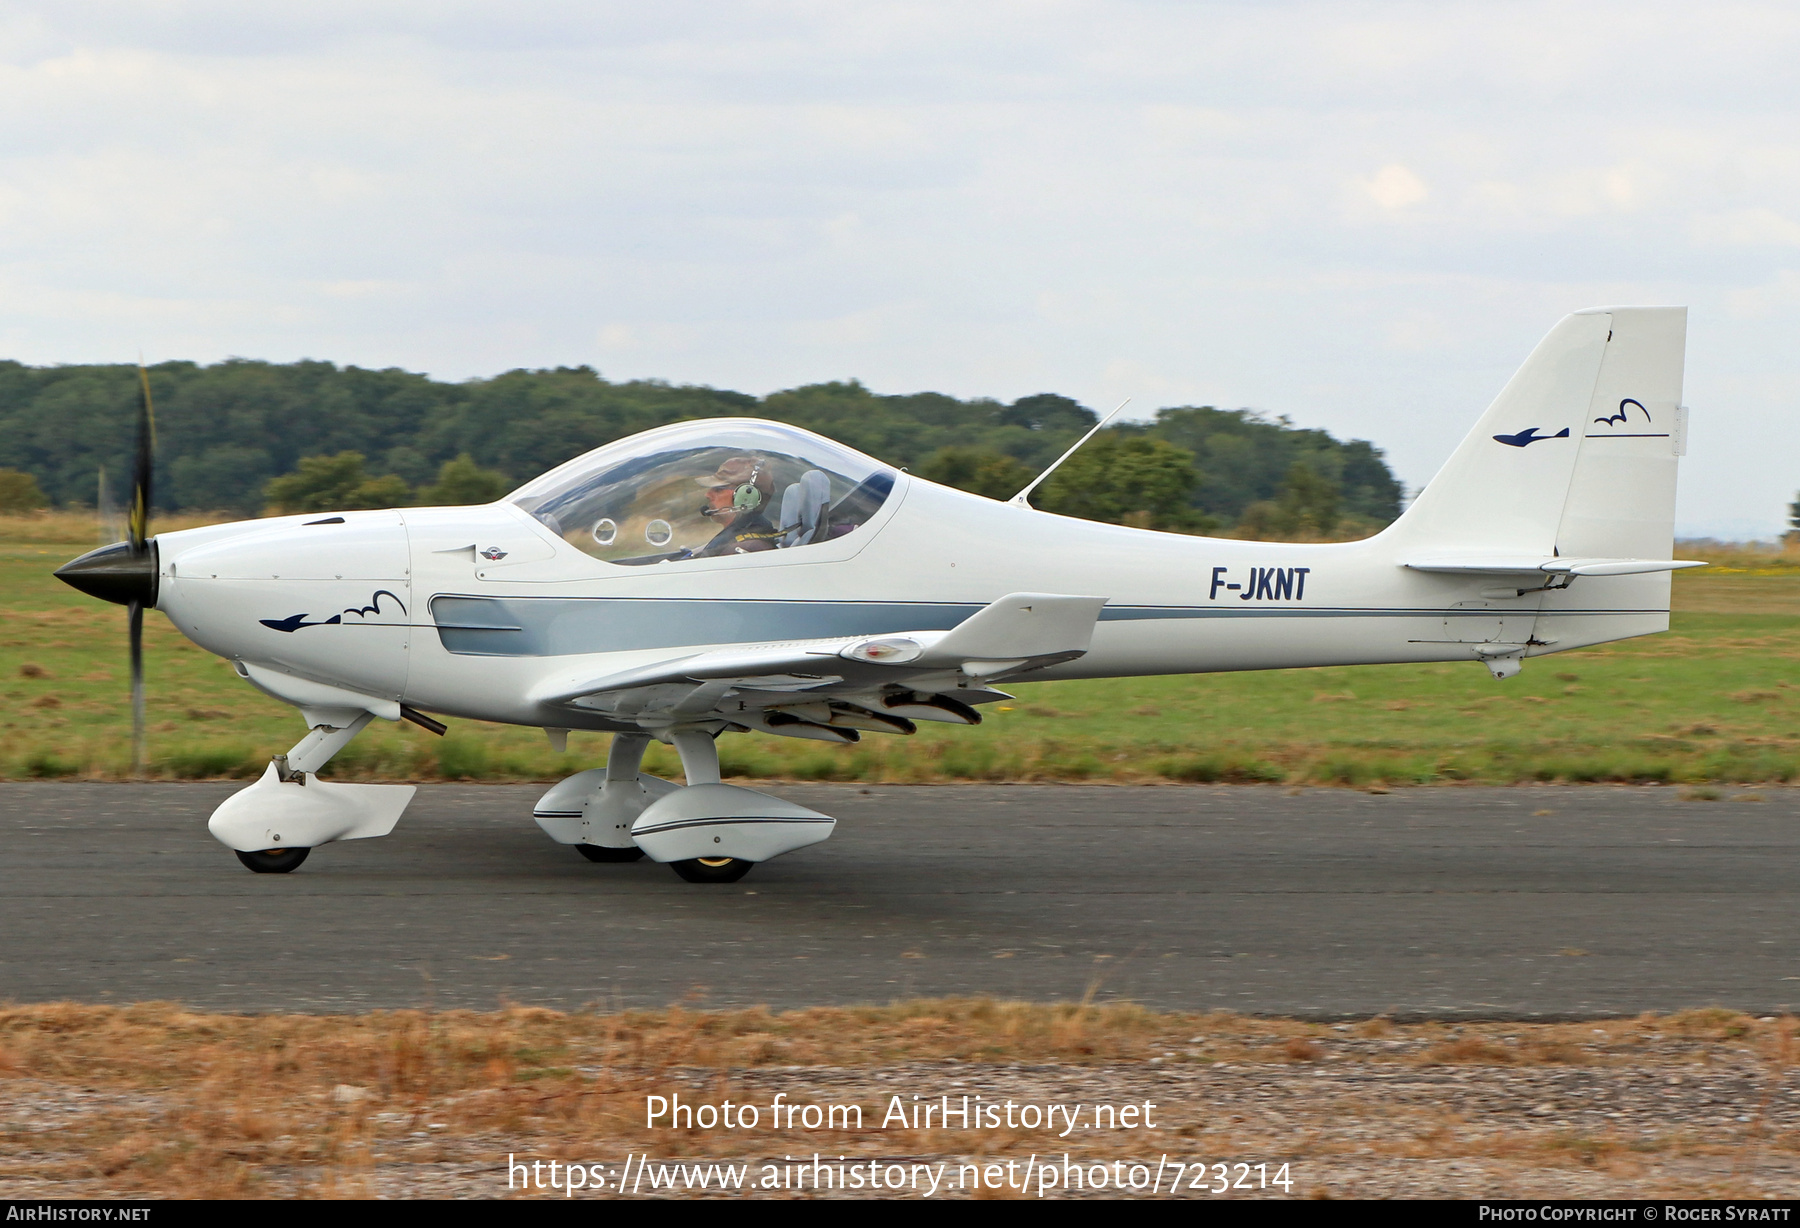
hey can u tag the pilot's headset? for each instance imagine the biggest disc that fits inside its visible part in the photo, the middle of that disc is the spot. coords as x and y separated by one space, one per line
749 497
745 497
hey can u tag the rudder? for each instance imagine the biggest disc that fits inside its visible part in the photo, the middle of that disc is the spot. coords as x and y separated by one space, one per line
1621 501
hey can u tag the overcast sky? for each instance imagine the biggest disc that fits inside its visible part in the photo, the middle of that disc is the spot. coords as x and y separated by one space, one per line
1362 216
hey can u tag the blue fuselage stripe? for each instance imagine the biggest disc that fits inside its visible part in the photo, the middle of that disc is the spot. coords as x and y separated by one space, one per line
567 626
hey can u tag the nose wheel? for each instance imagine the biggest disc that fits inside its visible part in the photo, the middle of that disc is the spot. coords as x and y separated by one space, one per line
712 869
273 861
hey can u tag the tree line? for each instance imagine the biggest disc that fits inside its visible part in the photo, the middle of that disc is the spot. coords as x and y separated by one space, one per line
247 436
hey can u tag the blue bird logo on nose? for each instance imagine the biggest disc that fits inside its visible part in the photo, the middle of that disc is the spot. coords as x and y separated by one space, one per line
293 622
1529 435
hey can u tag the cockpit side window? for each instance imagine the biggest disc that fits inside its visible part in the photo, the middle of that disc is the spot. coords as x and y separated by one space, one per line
708 490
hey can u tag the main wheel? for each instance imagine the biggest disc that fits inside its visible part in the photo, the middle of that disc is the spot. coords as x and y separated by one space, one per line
599 852
274 861
712 869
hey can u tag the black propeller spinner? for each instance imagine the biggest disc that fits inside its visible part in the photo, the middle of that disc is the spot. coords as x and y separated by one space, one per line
126 572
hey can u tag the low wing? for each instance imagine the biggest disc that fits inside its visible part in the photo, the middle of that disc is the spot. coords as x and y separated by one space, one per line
1530 564
831 689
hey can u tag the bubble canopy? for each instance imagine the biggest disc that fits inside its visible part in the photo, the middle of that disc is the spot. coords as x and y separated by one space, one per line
708 489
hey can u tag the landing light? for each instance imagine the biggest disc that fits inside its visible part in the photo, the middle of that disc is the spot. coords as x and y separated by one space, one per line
894 651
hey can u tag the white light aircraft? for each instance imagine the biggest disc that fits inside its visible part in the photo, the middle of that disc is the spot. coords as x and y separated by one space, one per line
738 575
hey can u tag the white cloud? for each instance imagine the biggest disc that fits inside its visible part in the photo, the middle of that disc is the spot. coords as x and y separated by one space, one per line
1760 227
1779 295
1099 199
1394 187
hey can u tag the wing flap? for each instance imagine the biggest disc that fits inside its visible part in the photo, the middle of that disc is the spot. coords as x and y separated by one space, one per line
783 666
745 684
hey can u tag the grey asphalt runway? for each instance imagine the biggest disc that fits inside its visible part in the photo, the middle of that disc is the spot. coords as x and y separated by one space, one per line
1542 902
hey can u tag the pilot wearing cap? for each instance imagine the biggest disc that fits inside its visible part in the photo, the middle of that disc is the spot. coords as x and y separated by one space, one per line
737 500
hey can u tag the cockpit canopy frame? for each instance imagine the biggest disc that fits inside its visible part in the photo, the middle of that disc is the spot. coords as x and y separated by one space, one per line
718 488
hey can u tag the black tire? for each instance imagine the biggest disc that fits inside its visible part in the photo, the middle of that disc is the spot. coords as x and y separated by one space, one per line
274 861
599 852
721 869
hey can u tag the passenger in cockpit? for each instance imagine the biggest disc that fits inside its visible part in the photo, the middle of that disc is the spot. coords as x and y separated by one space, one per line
737 500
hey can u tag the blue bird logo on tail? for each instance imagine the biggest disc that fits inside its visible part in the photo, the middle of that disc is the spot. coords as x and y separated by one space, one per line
1529 435
1624 414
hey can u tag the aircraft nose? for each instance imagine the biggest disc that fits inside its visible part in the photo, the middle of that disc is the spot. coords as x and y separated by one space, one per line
114 573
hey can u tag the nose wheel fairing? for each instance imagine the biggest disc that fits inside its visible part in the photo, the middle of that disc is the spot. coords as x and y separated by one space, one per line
289 808
275 814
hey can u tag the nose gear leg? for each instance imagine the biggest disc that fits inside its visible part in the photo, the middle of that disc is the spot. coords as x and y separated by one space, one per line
318 747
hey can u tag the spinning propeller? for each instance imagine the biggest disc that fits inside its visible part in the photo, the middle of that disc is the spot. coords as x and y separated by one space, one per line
126 572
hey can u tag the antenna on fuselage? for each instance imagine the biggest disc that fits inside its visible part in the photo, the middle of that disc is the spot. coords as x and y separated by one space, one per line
1021 499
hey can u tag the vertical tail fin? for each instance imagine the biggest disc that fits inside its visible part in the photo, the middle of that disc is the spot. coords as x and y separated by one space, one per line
1577 454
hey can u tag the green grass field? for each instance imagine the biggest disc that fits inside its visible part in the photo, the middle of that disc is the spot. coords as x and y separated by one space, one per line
1715 700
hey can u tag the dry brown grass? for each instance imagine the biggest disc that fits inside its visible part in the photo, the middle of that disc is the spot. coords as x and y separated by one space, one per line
1710 1023
78 527
151 1043
1728 557
157 1100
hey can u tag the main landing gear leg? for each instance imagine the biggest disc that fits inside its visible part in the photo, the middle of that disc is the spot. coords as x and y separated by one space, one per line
699 751
624 762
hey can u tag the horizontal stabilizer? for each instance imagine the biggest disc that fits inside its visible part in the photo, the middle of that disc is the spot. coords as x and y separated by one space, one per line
1531 564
